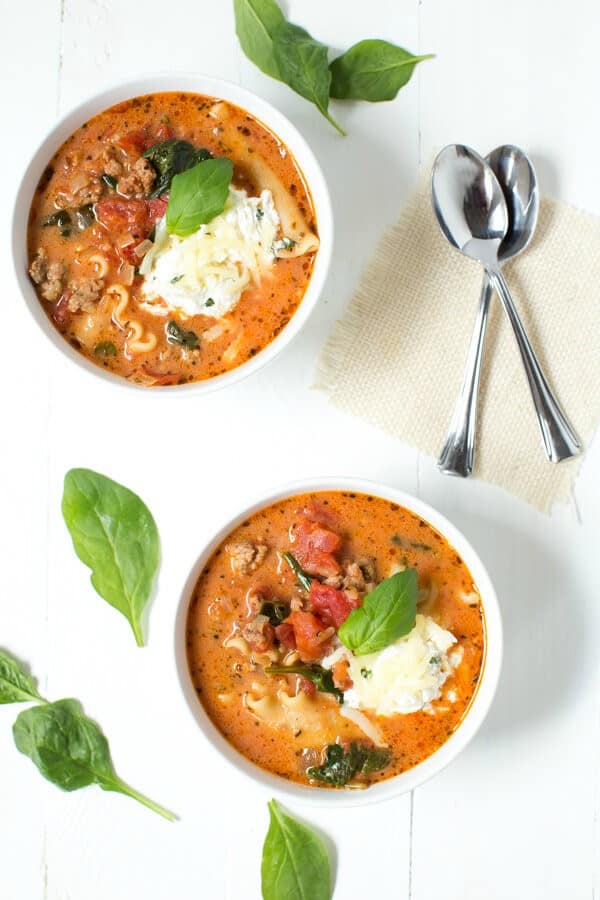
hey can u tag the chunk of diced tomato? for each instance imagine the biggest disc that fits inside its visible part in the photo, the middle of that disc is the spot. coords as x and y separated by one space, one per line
341 675
331 605
120 214
61 314
134 142
157 208
311 643
285 635
314 546
163 133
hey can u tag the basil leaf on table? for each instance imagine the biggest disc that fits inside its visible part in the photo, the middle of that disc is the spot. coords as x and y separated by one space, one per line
198 195
372 70
295 862
113 533
386 614
16 685
71 751
255 22
284 51
320 677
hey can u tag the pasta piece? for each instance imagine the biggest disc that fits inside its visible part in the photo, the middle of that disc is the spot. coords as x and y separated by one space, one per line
137 341
300 238
100 264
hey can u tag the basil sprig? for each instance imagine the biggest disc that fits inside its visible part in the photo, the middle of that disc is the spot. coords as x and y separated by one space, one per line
113 533
372 70
198 195
386 614
285 51
295 862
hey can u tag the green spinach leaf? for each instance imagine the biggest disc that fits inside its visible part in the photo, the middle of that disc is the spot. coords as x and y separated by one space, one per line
320 677
115 535
340 768
304 579
177 335
372 70
276 610
295 863
303 66
62 220
255 22
71 751
284 51
170 158
16 685
386 614
198 195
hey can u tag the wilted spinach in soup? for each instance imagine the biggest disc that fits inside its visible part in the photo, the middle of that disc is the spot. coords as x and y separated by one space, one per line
157 258
335 639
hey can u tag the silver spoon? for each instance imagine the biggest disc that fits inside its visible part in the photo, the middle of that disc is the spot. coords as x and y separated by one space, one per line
518 181
473 215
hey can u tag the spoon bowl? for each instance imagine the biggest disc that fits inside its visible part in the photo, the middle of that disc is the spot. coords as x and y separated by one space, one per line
518 182
469 203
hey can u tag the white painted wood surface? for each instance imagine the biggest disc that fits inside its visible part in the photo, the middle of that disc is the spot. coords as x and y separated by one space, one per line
517 815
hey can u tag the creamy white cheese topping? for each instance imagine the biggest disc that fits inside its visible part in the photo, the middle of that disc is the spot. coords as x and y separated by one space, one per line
206 272
404 677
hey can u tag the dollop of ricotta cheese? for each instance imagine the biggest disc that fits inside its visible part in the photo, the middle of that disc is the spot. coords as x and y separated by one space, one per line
404 677
206 272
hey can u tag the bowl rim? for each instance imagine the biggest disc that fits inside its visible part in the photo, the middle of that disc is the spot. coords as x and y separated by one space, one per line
191 82
474 716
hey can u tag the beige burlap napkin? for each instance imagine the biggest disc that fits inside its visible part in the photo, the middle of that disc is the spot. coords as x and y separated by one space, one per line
396 359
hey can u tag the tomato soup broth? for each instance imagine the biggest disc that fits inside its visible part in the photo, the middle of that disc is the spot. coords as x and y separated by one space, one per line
249 612
97 212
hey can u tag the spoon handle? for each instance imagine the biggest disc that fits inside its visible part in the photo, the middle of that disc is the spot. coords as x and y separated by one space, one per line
560 441
458 451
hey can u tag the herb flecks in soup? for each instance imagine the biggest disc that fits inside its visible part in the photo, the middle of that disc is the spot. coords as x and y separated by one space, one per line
171 238
335 639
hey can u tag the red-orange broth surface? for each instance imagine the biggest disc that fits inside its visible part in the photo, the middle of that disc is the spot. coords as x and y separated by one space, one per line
87 263
281 722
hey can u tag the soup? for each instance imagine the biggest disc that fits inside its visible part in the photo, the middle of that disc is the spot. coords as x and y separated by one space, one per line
277 610
155 305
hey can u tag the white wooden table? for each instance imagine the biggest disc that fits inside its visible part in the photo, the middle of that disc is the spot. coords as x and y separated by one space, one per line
517 815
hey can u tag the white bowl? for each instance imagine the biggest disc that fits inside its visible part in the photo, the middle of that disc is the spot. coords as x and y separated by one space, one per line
212 87
474 716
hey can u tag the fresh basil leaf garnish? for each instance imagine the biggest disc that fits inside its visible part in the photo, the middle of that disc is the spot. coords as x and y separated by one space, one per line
372 70
113 533
170 158
295 862
340 768
386 614
198 195
320 677
177 335
284 51
71 751
16 685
